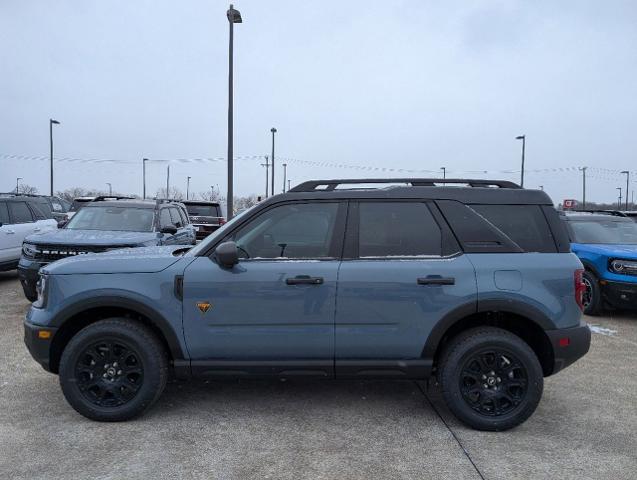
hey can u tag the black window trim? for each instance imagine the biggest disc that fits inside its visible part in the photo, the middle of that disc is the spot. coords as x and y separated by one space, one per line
449 247
335 249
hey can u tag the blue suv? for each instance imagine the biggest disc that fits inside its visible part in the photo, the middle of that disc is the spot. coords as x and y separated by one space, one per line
105 223
470 281
606 243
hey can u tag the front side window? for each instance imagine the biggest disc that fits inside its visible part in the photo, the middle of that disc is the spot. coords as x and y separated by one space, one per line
303 230
397 229
164 218
20 212
176 218
125 219
604 232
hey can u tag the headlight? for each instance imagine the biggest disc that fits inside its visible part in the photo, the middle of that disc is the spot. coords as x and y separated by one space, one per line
41 290
29 250
623 267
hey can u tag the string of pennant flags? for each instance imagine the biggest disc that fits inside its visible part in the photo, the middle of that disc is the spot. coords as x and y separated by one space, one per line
597 173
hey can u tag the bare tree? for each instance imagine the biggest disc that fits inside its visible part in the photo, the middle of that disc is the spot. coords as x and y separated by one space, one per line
173 194
212 195
27 189
241 203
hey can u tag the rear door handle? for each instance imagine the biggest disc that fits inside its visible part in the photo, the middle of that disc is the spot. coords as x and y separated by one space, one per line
436 280
304 280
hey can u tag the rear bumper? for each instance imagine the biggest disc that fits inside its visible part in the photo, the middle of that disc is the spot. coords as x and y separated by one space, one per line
203 230
28 275
620 294
569 345
39 348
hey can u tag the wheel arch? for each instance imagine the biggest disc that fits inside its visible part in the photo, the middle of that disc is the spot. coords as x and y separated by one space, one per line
78 316
525 321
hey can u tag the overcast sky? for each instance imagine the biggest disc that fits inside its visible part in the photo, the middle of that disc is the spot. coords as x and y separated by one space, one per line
411 85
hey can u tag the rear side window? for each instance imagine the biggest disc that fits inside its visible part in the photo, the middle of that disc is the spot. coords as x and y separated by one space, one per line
4 213
397 229
20 212
524 224
38 212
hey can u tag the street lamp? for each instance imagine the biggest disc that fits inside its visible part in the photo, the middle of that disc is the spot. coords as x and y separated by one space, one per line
51 123
627 186
188 188
285 174
144 160
523 138
444 172
619 204
267 177
233 17
273 130
110 188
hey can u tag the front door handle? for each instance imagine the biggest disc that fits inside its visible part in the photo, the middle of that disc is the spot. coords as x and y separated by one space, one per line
436 280
304 280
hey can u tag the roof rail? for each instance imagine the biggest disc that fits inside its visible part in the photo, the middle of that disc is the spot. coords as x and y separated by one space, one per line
13 194
102 198
329 185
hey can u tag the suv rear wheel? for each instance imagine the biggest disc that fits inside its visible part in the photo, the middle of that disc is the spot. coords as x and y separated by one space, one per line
113 370
490 379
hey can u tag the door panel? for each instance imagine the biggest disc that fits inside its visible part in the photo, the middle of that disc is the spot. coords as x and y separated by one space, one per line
255 314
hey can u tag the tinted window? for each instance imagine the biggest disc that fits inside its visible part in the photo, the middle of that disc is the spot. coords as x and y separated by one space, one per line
204 210
20 212
164 218
4 213
57 205
391 229
604 231
524 224
289 231
127 219
38 212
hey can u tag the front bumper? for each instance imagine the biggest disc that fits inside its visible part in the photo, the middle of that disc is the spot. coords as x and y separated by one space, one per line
39 347
620 294
28 275
569 345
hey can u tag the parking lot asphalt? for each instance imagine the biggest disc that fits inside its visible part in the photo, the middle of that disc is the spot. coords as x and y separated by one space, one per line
585 426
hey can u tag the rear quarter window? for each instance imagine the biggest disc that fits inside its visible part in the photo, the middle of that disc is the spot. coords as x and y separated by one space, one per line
526 225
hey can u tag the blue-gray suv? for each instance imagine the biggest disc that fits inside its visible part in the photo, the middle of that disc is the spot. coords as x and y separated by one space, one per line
470 281
105 223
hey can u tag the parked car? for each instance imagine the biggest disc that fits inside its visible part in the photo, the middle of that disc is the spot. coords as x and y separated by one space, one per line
606 244
205 216
474 284
101 225
20 216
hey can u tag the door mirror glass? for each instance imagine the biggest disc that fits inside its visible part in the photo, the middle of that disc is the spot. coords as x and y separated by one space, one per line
170 230
227 254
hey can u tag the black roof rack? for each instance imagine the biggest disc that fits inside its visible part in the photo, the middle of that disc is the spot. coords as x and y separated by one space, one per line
104 198
330 185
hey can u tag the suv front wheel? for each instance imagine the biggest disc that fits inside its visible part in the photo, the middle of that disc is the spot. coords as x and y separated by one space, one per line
490 379
113 370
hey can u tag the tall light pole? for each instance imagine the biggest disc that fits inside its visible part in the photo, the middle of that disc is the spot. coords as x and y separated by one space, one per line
583 169
288 184
51 123
523 138
627 186
233 17
17 186
168 182
619 204
188 188
285 175
110 188
444 172
267 178
273 130
212 193
144 160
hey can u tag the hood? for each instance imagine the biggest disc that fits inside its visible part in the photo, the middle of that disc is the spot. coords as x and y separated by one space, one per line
627 251
125 260
67 237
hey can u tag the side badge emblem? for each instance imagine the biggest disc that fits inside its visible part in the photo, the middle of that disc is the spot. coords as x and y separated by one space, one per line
204 306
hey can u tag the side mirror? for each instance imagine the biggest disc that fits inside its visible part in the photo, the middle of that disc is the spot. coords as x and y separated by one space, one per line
170 229
227 254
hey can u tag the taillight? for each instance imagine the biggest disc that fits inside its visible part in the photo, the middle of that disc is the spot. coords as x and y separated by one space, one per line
222 220
580 288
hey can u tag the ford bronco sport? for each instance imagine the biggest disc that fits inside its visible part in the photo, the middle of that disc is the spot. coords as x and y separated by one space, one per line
471 281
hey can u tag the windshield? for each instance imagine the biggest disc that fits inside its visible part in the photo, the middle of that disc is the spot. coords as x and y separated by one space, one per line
124 219
604 231
203 210
219 233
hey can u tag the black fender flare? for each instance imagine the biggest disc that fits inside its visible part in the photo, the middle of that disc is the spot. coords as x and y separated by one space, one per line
488 305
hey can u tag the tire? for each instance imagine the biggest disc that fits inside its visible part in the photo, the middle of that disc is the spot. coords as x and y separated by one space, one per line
113 370
594 305
514 389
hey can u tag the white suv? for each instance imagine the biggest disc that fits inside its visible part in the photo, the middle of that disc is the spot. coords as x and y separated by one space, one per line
19 217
